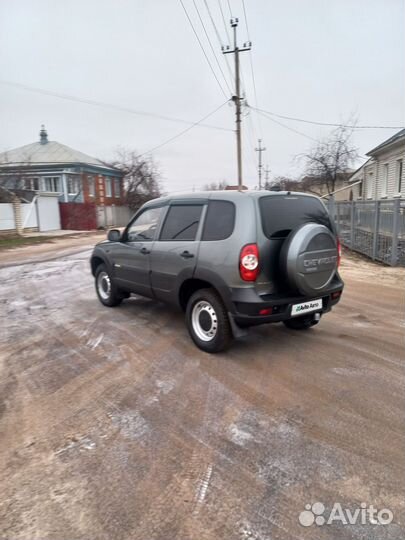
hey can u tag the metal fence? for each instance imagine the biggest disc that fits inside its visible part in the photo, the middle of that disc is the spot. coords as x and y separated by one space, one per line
374 228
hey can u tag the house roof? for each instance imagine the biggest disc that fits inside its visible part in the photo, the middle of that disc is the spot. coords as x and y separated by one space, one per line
352 176
45 152
398 137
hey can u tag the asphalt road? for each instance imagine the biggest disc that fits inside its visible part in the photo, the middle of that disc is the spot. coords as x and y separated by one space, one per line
114 426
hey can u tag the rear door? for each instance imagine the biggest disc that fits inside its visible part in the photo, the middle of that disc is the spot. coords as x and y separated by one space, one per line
131 256
280 214
174 253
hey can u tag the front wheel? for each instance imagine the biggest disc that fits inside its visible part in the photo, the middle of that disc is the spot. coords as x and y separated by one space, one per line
301 323
208 322
107 292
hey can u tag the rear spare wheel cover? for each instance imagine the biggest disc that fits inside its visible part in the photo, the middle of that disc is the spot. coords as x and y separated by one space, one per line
310 258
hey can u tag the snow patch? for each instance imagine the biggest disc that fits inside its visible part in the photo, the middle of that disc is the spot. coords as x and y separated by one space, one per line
238 435
131 424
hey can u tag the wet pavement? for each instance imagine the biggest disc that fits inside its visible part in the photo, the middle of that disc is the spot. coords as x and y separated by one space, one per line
113 425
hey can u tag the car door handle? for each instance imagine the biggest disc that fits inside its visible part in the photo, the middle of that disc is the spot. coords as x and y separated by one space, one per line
145 251
186 255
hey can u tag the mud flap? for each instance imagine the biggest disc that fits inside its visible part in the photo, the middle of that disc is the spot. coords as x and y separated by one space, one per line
237 331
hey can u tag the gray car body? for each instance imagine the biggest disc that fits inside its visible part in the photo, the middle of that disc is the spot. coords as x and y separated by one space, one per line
165 275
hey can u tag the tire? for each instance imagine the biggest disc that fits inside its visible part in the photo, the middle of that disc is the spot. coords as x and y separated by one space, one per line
107 292
301 323
208 322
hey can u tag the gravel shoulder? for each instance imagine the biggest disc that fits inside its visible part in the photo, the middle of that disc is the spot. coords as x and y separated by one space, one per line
52 248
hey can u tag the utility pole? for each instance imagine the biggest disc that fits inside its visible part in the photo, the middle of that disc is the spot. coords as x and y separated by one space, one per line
260 150
237 97
267 172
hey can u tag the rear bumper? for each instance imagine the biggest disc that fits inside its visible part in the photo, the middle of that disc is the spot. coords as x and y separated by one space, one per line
247 304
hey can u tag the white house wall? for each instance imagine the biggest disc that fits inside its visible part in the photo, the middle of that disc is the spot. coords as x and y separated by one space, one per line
390 158
372 173
7 222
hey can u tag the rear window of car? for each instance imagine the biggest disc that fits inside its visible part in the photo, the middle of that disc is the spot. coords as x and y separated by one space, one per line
219 220
280 214
181 222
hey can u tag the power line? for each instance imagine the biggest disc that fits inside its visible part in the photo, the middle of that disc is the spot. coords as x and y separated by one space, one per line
184 130
223 20
230 10
353 126
212 48
251 62
283 125
106 105
202 48
220 42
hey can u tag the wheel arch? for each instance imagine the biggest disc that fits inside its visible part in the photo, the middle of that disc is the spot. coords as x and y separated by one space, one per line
189 287
96 259
201 280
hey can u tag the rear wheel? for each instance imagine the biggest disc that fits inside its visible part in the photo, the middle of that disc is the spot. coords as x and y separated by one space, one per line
208 322
107 292
301 323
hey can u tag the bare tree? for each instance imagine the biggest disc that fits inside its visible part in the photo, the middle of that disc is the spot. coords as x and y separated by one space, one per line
15 176
215 186
329 161
282 183
141 177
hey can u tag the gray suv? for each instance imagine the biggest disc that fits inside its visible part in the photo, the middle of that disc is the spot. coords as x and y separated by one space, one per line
228 259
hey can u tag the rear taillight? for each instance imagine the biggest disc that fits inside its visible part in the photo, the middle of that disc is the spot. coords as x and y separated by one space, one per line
249 262
339 250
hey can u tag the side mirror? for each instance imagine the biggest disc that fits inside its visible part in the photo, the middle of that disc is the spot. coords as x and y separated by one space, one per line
114 235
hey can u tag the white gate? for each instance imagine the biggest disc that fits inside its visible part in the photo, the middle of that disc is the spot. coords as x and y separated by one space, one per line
48 213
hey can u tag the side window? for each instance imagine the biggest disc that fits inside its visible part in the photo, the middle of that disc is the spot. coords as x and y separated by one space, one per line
144 227
181 222
219 220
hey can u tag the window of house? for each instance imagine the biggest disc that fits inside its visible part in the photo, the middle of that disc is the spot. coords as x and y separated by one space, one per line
92 186
117 188
52 183
143 228
384 186
31 183
399 176
73 185
181 222
108 187
219 220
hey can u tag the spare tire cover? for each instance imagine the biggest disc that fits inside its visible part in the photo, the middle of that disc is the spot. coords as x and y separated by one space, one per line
309 258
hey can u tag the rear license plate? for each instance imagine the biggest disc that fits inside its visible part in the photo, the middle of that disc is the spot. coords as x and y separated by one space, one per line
306 307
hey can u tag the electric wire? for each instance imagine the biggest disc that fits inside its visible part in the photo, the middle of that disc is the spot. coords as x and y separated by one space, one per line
284 125
331 124
251 65
220 42
202 47
211 46
182 132
106 105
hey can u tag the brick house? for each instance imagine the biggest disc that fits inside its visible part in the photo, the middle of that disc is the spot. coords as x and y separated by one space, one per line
90 193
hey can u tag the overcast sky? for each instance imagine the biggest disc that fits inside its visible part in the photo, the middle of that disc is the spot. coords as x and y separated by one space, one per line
322 60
